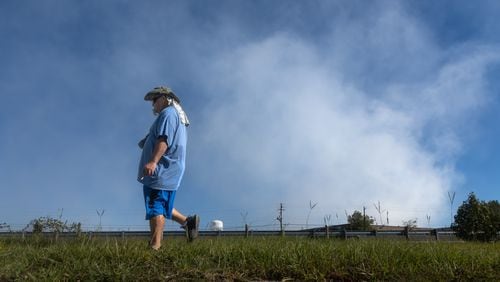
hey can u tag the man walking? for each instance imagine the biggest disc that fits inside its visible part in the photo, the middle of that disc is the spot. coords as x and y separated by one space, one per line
162 164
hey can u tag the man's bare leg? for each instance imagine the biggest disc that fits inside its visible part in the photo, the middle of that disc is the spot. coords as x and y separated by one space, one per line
190 224
178 217
156 225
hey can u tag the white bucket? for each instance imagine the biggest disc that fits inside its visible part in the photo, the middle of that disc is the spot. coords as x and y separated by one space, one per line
216 225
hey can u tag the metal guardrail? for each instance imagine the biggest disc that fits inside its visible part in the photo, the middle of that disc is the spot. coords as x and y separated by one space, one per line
395 234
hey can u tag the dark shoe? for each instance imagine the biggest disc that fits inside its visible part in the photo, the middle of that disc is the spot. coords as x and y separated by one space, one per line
192 224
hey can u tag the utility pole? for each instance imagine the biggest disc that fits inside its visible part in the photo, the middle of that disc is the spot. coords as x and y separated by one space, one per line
364 218
280 218
311 207
327 224
380 211
452 199
244 216
100 214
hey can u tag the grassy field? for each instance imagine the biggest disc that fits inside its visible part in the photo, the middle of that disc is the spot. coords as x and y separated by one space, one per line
266 258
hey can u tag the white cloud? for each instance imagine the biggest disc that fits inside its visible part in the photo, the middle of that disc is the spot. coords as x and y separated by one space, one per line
287 127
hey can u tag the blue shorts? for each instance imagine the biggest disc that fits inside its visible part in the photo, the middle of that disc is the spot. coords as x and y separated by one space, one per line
158 202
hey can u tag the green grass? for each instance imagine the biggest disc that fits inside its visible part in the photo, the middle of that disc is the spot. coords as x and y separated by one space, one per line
265 258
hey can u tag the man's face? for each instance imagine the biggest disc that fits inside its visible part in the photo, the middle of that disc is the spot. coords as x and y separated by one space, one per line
159 103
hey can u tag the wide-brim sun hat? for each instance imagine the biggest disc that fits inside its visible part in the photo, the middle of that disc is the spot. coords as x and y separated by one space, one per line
161 91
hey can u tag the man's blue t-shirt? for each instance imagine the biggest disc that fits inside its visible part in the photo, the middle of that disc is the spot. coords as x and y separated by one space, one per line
170 168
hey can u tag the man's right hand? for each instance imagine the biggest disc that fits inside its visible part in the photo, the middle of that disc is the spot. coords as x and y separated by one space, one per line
149 168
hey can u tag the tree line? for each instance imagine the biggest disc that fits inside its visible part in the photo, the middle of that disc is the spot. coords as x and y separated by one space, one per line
475 220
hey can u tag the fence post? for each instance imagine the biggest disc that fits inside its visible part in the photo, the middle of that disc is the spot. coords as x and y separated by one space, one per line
78 230
436 234
123 235
375 233
407 232
344 233
246 230
327 232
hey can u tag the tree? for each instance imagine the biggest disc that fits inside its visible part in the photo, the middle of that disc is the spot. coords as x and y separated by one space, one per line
410 223
493 225
357 222
477 220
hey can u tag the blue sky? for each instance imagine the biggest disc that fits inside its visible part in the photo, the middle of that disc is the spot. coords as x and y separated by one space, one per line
340 103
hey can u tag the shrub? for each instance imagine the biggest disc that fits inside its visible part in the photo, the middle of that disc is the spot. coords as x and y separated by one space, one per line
53 225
